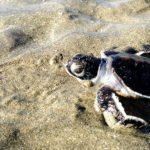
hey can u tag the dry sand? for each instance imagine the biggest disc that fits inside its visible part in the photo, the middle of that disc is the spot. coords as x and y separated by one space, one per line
41 107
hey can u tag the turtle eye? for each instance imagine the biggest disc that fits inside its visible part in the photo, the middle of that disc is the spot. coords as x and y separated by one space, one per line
78 70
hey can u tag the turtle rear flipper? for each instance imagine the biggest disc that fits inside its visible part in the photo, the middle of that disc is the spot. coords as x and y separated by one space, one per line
145 52
129 50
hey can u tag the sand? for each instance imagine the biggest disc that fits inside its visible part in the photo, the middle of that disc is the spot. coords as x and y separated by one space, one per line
41 106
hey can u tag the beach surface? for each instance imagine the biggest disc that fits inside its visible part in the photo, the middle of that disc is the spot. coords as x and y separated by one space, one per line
41 106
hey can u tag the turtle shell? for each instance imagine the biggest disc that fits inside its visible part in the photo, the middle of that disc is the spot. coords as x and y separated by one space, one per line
134 71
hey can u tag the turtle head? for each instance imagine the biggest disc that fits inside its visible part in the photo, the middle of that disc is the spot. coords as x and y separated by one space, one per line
83 67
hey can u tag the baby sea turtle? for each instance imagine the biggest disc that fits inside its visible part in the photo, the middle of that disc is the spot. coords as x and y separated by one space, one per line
119 74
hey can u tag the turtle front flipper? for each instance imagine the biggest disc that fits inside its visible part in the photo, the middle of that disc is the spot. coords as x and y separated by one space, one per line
132 120
105 102
113 111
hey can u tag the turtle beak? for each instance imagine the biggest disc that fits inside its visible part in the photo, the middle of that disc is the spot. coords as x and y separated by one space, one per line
67 65
67 68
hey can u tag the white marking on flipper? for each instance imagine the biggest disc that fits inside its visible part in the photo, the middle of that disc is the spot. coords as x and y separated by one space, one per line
109 119
142 52
108 116
96 105
136 119
121 109
119 105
